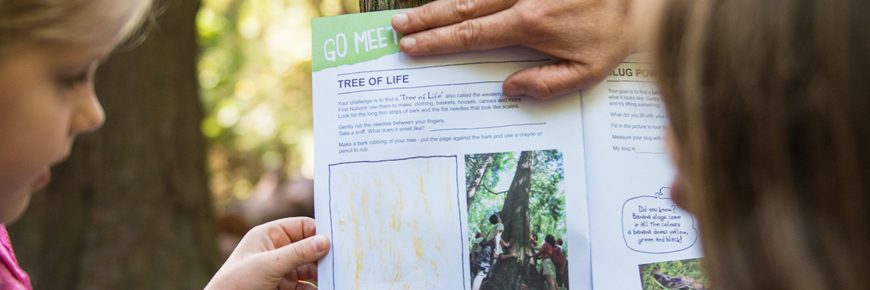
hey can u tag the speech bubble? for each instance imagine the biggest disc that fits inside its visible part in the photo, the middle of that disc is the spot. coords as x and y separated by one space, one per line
654 225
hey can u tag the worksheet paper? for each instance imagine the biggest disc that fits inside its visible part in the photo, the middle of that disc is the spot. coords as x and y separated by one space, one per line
405 146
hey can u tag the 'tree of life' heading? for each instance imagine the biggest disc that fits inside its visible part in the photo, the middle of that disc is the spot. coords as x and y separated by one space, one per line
373 81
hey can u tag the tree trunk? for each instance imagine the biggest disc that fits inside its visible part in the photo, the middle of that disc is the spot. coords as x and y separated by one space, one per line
510 273
131 208
481 171
378 5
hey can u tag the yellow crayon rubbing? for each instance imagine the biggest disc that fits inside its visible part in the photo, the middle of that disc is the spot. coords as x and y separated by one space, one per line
397 213
423 193
365 202
397 269
435 267
359 257
418 247
379 237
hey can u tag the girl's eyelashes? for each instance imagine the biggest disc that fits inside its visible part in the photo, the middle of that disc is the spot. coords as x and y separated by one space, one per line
76 77
75 80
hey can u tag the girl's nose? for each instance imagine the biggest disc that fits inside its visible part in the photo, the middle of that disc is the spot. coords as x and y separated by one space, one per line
88 114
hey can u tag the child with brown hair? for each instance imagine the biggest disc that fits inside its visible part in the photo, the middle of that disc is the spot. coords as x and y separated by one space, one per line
49 51
770 132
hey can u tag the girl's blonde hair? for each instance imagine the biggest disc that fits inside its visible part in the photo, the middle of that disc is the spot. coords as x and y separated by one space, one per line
769 104
76 21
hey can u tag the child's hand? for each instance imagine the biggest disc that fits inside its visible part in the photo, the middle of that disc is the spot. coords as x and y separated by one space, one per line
275 255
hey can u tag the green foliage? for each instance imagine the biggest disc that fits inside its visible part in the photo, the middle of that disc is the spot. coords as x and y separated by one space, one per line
255 75
496 165
546 199
691 268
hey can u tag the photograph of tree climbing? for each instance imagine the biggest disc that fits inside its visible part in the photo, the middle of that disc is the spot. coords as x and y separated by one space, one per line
516 220
684 274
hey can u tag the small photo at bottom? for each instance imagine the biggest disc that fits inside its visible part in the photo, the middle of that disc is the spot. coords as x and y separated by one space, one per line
680 274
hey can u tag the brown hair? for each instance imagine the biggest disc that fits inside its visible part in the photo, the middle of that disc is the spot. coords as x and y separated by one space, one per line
550 239
769 103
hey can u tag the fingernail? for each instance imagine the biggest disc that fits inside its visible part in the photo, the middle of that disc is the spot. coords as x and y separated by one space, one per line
513 90
408 42
400 20
320 244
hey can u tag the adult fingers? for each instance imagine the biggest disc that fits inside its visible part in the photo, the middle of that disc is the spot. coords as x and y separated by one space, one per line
488 32
292 256
445 12
553 80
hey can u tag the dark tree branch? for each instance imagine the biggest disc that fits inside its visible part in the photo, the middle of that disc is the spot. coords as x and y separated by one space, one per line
491 191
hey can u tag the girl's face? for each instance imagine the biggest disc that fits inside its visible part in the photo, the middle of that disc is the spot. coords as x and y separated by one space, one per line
46 99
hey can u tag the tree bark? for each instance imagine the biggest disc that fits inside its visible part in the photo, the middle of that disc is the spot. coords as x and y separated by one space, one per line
131 208
378 5
510 273
481 171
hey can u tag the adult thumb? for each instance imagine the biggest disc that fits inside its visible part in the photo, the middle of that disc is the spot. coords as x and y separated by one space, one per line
553 80
294 255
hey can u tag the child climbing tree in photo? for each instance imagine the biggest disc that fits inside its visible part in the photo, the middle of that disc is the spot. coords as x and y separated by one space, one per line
515 198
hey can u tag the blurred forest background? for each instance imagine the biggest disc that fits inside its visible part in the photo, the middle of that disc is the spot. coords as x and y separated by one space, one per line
255 77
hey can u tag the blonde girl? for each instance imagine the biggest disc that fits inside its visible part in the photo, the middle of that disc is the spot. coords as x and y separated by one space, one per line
769 104
49 51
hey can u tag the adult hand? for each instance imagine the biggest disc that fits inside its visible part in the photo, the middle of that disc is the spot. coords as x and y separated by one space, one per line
592 37
275 255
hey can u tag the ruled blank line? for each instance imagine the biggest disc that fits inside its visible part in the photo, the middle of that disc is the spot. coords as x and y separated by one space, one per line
493 127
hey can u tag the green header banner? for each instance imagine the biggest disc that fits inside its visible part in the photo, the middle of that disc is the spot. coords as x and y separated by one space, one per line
354 38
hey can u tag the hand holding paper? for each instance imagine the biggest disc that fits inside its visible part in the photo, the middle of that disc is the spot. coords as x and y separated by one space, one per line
592 37
280 254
